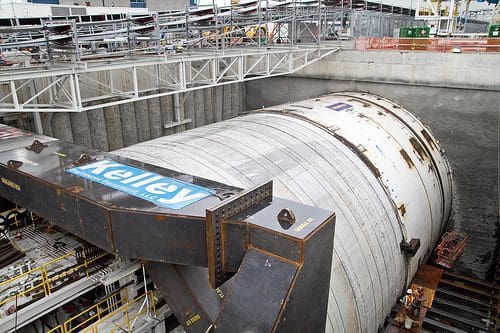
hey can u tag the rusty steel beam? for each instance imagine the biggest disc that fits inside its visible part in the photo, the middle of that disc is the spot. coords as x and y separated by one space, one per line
269 259
282 277
116 222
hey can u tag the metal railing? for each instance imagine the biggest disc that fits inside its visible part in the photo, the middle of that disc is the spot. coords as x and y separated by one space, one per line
99 311
57 329
40 281
128 311
91 322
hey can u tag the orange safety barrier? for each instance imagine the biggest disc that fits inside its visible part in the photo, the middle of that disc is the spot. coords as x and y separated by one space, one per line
429 44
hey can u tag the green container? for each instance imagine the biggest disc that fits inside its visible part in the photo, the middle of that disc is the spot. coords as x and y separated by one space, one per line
406 32
494 31
421 32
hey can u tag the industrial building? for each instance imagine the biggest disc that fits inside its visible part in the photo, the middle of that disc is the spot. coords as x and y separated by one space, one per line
249 166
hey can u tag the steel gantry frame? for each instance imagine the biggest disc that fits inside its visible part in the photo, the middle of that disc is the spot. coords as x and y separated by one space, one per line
73 72
70 38
84 86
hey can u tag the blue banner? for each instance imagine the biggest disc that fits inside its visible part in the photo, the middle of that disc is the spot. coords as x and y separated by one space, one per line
160 190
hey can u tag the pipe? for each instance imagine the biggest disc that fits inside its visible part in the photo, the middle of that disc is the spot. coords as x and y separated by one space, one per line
177 106
362 156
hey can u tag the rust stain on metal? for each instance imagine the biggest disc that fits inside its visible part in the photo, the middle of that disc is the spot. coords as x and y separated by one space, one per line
160 218
84 158
365 104
402 209
407 158
346 142
75 189
428 276
371 166
428 138
361 148
37 146
307 107
110 237
418 148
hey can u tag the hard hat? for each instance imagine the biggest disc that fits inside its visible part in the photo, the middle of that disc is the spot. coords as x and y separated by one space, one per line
409 291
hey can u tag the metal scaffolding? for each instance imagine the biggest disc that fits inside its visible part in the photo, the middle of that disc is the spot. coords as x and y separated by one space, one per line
75 64
257 23
77 87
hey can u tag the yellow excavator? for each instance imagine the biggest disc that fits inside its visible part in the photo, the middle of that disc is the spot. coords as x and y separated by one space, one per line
236 35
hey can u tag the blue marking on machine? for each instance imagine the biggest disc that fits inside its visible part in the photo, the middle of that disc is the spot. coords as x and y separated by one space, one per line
340 106
160 190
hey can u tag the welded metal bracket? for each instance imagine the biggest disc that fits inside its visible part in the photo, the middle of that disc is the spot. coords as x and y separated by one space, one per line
281 274
111 219
410 248
37 146
14 164
270 257
225 210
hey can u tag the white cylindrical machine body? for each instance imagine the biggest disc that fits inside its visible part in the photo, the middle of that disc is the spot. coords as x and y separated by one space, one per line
362 156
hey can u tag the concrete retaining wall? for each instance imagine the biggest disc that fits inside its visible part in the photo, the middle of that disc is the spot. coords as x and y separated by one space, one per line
119 126
467 70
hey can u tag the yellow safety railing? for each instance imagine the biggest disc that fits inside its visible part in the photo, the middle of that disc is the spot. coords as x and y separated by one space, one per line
110 302
57 329
41 280
16 222
127 312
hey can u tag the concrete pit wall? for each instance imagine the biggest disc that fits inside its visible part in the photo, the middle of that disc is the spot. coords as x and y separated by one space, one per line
122 125
456 95
119 126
